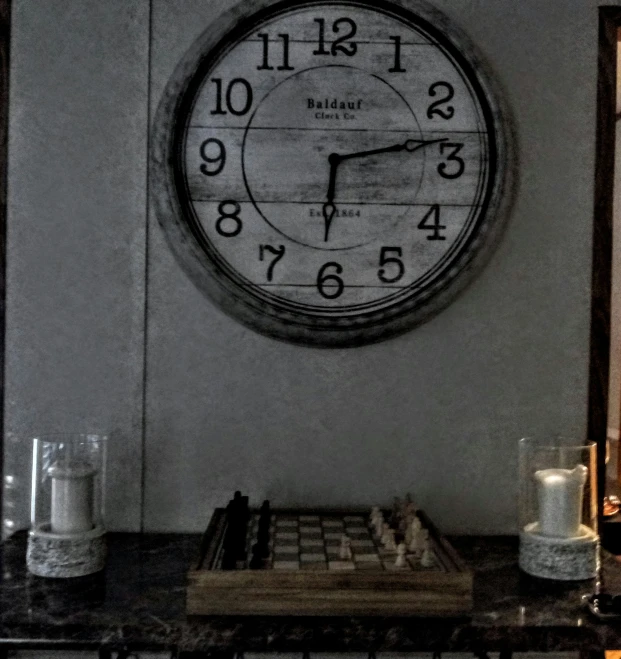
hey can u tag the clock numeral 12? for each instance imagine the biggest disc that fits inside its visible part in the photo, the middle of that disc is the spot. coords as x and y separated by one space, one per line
339 45
266 58
431 222
278 253
239 83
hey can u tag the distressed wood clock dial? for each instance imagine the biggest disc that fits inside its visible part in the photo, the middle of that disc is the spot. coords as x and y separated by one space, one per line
331 172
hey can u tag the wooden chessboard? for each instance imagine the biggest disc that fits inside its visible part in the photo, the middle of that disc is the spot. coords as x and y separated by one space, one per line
304 574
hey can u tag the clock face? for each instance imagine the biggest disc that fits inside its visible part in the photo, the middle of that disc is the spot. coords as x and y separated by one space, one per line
331 172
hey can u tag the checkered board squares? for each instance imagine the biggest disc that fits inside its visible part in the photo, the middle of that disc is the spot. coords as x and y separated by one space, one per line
313 542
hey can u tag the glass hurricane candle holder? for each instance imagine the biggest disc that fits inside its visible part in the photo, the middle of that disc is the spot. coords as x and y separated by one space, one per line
67 536
558 508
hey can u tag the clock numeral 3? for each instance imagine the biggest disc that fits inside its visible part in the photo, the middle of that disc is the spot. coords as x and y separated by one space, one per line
435 108
233 104
386 259
460 165
431 222
266 48
278 253
219 161
330 286
339 45
397 68
229 224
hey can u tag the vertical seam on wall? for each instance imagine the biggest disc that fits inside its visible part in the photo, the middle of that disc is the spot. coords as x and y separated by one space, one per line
146 281
5 49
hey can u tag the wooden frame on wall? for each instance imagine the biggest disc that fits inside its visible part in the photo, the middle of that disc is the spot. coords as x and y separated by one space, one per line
601 283
5 43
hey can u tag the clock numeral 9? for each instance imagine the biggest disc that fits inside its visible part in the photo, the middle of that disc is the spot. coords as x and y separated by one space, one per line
330 286
431 222
278 253
229 223
339 45
460 165
266 57
233 99
386 259
218 160
435 108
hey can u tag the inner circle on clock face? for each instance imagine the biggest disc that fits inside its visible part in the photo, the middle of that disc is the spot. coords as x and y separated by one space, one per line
333 109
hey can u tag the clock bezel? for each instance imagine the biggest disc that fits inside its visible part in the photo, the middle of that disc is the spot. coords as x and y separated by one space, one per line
230 293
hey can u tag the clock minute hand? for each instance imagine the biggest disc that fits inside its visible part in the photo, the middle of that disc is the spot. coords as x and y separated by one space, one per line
409 146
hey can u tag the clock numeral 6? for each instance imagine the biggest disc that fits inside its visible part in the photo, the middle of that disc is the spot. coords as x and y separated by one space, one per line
431 222
339 45
435 108
278 253
460 165
237 103
229 223
330 286
386 259
218 160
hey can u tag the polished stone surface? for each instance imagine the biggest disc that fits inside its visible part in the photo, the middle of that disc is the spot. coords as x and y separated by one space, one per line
139 601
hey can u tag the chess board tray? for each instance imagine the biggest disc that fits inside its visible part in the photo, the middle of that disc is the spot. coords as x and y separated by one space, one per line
304 574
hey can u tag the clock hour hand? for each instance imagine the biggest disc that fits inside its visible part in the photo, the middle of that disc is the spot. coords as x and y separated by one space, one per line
329 209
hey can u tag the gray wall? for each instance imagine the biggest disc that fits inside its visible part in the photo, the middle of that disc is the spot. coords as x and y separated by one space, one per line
437 411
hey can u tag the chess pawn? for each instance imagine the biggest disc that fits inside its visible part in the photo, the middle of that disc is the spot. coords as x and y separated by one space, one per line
345 551
375 513
401 551
426 560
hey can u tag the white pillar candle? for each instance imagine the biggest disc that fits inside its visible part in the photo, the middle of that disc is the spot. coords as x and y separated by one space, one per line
72 498
560 494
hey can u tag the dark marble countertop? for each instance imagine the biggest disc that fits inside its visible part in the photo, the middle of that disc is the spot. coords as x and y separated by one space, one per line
139 602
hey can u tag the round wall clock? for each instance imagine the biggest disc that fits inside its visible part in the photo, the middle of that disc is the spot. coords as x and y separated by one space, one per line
332 172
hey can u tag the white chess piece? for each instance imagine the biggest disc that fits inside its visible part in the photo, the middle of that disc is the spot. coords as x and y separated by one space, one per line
426 560
345 551
391 545
401 550
415 539
379 526
375 513
385 534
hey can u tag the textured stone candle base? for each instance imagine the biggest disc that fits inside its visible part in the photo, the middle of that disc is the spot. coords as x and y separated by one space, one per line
565 559
54 555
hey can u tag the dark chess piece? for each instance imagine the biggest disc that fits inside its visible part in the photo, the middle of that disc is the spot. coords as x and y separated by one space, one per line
261 549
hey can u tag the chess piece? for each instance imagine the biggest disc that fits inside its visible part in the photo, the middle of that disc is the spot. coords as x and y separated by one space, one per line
345 553
414 545
401 550
426 560
390 540
385 534
379 525
375 513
